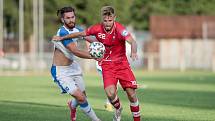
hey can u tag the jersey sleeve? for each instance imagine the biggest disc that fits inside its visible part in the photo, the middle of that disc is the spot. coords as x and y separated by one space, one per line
123 32
66 41
79 28
91 31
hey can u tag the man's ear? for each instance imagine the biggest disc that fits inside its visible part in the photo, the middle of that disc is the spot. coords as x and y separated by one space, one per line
62 20
114 18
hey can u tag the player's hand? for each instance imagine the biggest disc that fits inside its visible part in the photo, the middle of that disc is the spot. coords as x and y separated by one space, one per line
134 56
57 38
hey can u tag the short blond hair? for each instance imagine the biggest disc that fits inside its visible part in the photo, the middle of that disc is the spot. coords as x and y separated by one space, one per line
107 11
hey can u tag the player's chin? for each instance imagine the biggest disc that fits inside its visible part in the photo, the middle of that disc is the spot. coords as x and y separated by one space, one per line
107 28
71 25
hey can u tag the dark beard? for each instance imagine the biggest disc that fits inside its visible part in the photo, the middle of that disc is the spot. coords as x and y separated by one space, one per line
69 26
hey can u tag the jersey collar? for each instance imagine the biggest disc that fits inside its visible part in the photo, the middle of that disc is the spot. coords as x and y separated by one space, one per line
68 28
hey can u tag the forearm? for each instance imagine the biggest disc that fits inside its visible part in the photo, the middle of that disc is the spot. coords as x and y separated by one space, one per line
133 47
77 52
133 43
82 54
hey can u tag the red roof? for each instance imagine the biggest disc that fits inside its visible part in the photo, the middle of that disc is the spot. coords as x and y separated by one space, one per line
182 26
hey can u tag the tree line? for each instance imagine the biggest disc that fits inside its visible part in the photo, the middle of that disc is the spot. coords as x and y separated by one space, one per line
129 12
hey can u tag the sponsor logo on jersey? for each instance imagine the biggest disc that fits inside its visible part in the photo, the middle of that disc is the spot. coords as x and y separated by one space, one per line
124 33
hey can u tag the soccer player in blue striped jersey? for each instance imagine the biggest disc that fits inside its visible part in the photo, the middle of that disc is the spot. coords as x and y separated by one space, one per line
66 72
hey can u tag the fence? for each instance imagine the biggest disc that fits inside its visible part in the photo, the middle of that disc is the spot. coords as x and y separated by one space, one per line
182 54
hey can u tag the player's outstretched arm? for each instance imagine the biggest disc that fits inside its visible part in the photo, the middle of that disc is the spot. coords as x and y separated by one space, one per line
72 35
133 43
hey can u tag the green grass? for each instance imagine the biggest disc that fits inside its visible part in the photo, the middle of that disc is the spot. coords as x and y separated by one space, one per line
168 96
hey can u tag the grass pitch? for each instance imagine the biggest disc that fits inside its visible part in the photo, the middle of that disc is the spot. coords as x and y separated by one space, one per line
163 96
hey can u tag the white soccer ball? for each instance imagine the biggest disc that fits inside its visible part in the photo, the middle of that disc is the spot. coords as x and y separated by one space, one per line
97 49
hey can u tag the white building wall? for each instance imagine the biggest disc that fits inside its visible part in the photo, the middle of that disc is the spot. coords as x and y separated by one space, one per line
186 54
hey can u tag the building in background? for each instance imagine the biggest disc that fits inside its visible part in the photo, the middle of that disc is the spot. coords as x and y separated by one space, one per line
181 42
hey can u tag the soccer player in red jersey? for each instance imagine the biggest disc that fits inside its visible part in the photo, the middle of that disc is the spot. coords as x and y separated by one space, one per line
115 66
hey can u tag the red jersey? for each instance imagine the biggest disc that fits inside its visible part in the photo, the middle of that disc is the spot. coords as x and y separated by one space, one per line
114 40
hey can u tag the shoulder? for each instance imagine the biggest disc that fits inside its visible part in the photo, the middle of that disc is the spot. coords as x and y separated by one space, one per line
119 26
121 29
75 30
92 30
62 31
78 29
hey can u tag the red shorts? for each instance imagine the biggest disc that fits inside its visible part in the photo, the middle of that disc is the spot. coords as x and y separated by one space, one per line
118 71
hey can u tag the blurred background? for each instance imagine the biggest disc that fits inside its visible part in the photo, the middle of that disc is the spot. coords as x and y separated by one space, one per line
175 70
171 34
